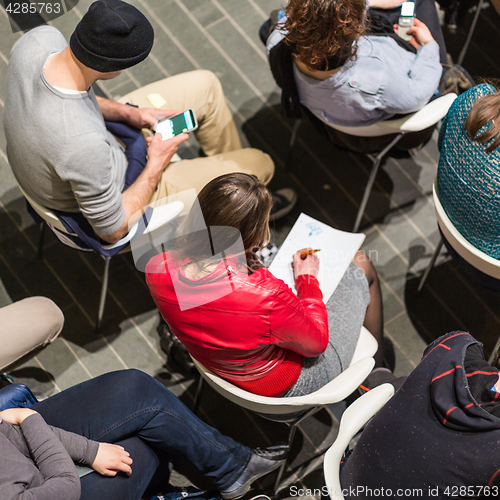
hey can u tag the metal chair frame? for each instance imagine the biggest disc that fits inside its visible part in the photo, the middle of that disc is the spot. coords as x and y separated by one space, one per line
427 117
475 257
353 420
337 390
51 220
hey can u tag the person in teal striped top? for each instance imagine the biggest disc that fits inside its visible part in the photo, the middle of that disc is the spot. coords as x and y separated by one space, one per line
468 176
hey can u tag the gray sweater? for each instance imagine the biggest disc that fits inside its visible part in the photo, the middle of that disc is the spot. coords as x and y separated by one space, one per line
57 143
36 461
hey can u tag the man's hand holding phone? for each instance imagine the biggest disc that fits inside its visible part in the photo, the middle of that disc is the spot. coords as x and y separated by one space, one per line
146 117
160 152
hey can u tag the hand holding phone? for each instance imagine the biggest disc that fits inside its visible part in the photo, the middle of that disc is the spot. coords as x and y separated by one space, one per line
160 151
420 33
177 124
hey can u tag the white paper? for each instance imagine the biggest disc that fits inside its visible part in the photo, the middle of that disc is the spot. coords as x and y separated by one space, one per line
338 248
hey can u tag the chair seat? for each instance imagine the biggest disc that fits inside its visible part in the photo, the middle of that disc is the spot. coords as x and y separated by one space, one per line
338 389
481 261
426 117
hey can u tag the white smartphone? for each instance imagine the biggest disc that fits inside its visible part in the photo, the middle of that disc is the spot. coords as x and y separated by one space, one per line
406 20
177 124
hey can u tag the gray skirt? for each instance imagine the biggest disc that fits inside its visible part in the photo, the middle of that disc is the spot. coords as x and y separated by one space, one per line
346 310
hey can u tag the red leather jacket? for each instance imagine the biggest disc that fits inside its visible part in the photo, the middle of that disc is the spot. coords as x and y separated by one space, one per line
250 329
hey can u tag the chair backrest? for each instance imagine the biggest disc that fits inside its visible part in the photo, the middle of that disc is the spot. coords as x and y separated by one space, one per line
366 347
353 419
475 257
45 213
429 115
161 215
336 390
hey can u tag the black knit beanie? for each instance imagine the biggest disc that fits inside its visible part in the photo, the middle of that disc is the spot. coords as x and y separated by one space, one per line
112 35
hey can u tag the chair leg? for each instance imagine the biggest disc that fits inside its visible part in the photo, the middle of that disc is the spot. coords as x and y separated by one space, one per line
41 238
281 470
495 349
431 265
479 8
197 396
371 180
295 131
104 292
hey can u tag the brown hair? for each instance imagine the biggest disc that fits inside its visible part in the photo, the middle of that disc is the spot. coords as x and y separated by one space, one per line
238 201
485 110
323 32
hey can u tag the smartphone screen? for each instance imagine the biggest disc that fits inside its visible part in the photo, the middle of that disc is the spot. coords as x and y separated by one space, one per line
175 125
407 9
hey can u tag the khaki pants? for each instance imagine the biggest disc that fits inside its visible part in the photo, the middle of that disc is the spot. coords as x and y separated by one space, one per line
26 327
201 91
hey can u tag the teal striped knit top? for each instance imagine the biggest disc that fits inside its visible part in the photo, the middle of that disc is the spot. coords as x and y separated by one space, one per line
469 177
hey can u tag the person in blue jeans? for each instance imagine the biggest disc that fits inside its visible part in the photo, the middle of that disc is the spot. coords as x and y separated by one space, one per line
125 425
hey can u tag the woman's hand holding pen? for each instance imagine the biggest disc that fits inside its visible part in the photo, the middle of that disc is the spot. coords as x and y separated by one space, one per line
307 265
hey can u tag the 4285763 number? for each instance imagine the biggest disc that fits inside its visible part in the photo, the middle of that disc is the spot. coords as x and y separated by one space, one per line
472 491
33 8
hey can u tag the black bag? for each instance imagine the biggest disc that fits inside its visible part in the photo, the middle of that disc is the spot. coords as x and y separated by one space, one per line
455 79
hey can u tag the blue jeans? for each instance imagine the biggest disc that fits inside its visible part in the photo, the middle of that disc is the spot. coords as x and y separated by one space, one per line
136 149
132 409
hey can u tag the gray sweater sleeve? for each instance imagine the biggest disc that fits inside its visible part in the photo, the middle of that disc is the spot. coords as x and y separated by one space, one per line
53 462
81 450
88 167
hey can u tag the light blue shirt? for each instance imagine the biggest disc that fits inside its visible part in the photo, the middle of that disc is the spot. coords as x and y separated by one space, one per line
383 80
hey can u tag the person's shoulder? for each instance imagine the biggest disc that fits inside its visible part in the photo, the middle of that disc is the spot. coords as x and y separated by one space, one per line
268 283
465 101
45 37
158 264
456 338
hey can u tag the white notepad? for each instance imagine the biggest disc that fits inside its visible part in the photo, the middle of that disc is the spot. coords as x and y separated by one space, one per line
338 248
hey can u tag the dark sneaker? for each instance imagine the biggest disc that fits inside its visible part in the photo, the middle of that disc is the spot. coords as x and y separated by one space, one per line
381 376
175 350
262 462
267 254
283 202
187 493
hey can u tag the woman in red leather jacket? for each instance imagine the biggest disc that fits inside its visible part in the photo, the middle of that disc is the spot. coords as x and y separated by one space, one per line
240 321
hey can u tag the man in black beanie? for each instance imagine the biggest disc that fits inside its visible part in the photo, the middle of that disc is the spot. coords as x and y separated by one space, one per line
64 155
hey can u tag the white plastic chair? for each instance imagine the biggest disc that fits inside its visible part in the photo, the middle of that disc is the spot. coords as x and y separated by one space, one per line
428 116
353 419
475 257
162 215
337 390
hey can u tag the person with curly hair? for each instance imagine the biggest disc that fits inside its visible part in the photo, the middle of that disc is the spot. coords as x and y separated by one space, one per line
344 71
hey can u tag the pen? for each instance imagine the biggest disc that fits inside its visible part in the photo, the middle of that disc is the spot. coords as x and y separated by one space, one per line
303 255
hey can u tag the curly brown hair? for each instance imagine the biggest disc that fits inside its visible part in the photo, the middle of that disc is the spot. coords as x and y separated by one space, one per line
323 32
